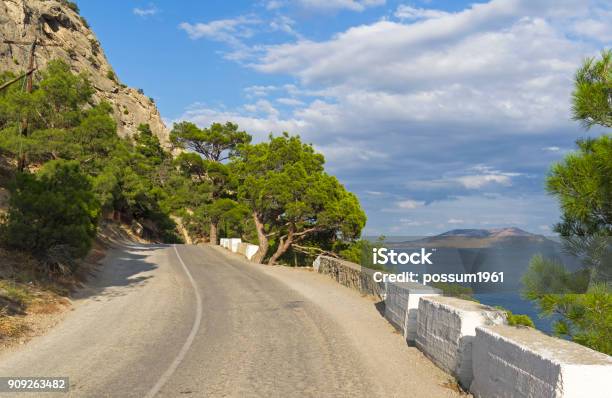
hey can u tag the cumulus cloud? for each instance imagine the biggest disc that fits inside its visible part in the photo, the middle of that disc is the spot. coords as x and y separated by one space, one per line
480 64
332 5
409 204
229 31
407 12
146 11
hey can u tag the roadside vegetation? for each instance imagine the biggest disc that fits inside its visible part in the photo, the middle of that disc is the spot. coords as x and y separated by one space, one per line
66 171
582 183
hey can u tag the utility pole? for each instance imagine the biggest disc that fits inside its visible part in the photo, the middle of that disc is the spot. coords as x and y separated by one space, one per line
29 75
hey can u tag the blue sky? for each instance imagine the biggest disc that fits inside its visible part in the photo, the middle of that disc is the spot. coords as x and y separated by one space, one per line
438 114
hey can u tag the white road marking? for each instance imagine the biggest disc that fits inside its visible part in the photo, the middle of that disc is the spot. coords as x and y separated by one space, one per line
194 330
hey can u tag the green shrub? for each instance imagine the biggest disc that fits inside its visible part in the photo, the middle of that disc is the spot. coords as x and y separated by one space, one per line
95 46
72 5
84 22
52 214
111 75
518 319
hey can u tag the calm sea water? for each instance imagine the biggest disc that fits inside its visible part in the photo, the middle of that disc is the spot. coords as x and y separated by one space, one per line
515 303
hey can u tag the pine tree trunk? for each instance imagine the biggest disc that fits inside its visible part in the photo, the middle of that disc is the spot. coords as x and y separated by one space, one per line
213 233
263 240
283 246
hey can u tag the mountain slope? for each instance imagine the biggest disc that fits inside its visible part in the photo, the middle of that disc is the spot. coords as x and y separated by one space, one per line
480 238
67 36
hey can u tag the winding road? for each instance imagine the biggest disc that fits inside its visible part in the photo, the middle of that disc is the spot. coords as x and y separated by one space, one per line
196 321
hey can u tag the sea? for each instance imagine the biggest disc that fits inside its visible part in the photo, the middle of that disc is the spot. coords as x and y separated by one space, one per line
518 305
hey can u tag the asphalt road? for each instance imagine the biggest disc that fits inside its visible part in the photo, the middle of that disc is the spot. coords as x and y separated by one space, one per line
190 321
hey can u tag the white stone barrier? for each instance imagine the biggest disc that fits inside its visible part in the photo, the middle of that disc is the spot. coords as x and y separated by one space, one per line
446 327
234 243
523 362
402 305
248 250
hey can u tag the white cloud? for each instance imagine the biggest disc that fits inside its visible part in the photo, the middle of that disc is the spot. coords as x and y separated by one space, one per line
524 211
331 5
258 125
259 91
475 177
409 204
478 181
455 221
146 12
408 12
285 24
551 149
598 26
503 64
274 4
290 101
229 31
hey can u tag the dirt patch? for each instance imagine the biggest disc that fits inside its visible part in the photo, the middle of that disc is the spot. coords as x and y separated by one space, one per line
27 309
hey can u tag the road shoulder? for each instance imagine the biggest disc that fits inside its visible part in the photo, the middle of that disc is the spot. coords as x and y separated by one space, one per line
386 353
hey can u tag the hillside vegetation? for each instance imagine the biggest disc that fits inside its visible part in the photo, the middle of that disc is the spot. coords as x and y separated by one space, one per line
71 169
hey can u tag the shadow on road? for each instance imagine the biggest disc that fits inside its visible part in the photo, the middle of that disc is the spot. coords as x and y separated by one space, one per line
125 267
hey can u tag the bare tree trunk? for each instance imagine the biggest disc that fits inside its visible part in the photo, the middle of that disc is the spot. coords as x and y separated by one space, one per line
283 246
263 240
213 233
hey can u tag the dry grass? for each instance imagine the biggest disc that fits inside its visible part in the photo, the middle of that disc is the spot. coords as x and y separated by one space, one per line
27 295
452 384
12 327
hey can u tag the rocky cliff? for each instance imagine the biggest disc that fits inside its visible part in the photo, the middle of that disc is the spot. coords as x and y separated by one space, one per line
64 34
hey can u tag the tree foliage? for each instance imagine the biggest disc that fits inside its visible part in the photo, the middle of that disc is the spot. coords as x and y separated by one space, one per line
216 143
584 310
52 210
582 183
64 123
283 183
592 97
209 148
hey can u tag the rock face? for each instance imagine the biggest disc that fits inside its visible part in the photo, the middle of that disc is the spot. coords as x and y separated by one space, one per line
66 35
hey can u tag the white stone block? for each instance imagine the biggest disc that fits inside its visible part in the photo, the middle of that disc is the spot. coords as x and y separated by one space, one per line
251 250
523 362
316 263
402 305
234 243
446 327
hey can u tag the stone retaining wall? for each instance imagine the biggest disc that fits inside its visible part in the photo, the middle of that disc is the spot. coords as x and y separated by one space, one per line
446 328
402 305
350 275
522 362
